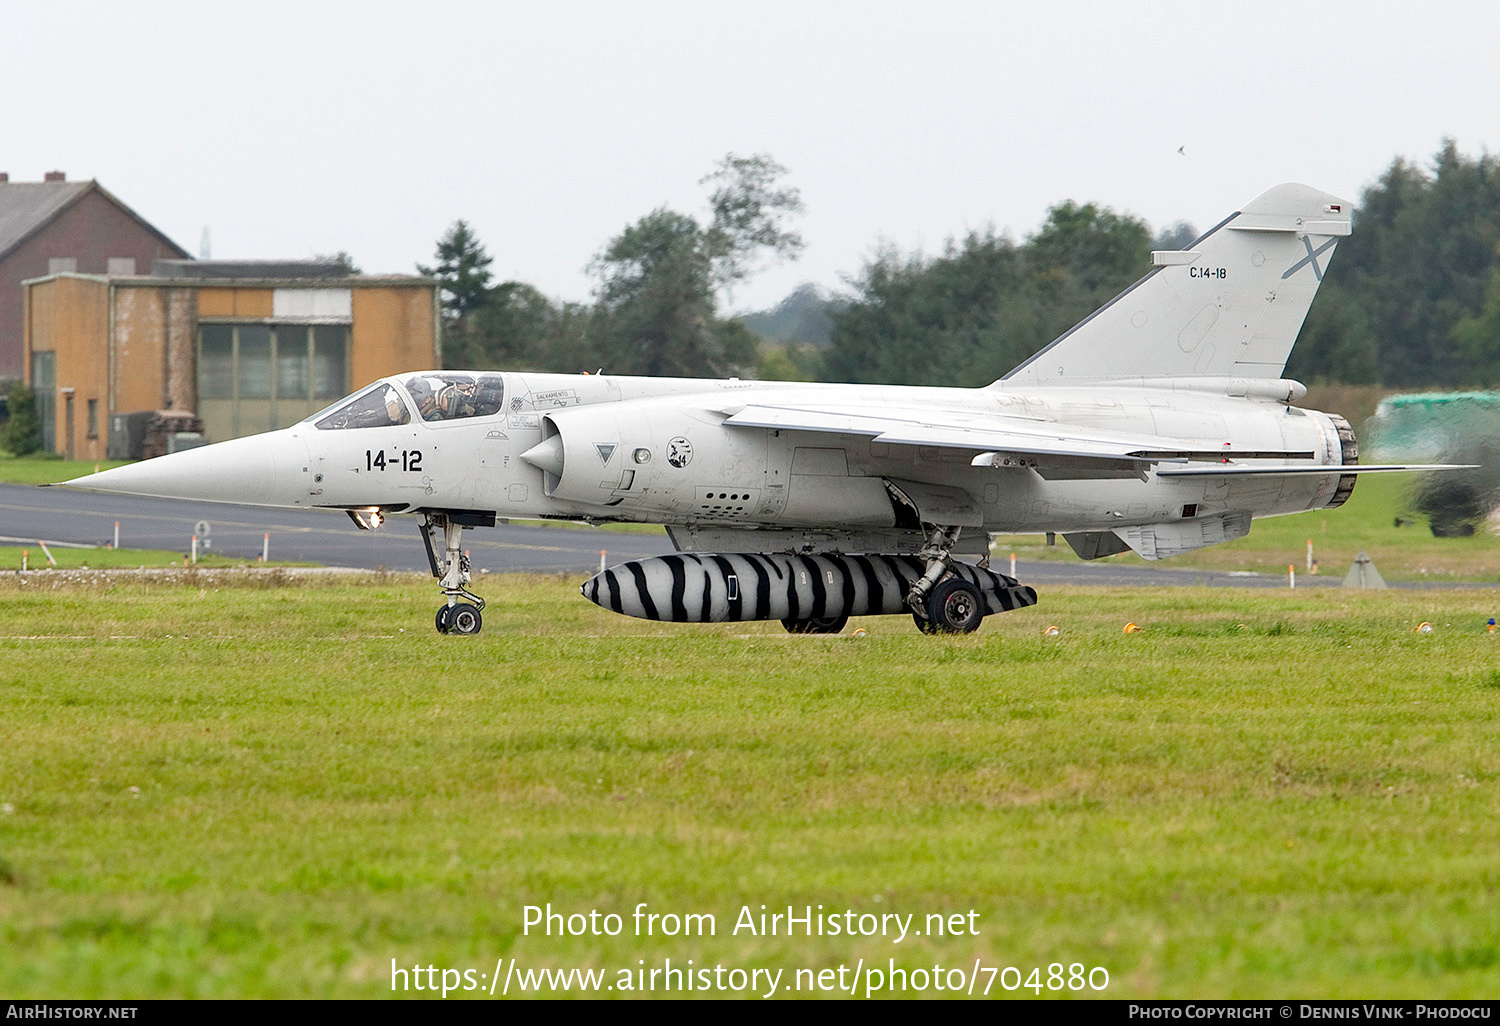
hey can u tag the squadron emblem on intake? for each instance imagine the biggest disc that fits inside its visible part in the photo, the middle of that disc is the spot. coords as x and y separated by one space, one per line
679 452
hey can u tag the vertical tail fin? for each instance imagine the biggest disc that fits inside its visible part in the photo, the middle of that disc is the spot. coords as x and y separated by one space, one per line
1230 305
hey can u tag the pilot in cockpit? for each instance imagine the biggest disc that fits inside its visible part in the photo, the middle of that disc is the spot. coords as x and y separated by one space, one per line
449 400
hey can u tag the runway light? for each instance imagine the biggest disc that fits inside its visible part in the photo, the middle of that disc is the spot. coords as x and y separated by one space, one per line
1423 628
1133 628
859 632
1051 631
1492 625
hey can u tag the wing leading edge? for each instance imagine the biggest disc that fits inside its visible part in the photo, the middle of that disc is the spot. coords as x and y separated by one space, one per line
989 435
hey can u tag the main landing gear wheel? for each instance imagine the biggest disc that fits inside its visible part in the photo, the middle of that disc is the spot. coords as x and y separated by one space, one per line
444 618
464 619
955 607
816 625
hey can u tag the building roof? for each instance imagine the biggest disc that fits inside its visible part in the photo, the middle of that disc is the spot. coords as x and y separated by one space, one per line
374 281
248 269
27 207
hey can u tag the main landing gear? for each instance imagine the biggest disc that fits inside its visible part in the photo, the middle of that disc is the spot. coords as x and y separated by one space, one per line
939 604
462 612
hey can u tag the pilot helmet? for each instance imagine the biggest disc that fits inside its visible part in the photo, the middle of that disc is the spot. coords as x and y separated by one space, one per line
421 391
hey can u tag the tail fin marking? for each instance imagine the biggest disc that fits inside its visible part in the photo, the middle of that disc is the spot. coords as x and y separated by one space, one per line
1230 305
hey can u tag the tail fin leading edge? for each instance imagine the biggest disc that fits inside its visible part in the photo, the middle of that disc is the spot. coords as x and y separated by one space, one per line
1230 305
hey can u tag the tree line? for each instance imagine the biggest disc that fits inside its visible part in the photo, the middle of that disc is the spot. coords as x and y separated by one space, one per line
657 288
1411 299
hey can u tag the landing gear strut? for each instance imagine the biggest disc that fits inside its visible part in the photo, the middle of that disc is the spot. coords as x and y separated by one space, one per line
943 604
452 572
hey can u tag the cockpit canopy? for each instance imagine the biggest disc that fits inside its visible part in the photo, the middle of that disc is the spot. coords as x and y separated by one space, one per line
435 395
450 395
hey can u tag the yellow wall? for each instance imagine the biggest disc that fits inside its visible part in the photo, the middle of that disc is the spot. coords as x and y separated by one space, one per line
155 348
70 316
393 332
235 302
139 356
155 342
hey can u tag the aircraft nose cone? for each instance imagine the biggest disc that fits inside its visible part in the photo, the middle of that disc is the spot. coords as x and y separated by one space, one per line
242 470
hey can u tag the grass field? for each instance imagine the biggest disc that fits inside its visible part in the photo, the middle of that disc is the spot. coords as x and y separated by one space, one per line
91 558
1366 522
263 785
44 470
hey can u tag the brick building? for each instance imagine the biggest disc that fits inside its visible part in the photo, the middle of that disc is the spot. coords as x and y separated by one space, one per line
56 226
247 346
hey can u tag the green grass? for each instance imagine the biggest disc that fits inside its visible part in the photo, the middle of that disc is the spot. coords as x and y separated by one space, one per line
104 558
259 785
1366 521
46 470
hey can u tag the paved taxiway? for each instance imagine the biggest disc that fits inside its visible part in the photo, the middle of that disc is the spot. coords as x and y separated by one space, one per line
28 513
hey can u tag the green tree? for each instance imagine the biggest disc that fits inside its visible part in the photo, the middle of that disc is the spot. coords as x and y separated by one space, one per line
985 304
749 211
803 316
1178 235
917 321
1338 341
789 361
1477 337
659 279
506 328
462 269
1418 265
342 258
656 288
23 432
1089 249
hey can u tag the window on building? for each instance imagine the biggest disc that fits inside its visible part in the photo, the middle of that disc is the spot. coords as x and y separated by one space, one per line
62 265
44 384
121 265
292 353
330 357
255 361
258 376
93 424
216 362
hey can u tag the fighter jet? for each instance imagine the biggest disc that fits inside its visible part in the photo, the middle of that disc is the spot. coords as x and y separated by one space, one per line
1160 424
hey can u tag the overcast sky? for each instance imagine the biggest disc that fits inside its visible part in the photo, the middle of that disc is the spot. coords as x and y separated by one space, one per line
290 129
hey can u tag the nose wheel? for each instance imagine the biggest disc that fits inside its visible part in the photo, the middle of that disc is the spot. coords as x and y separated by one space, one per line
462 612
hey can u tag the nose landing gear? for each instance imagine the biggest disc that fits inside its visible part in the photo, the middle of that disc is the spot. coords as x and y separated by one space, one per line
452 570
